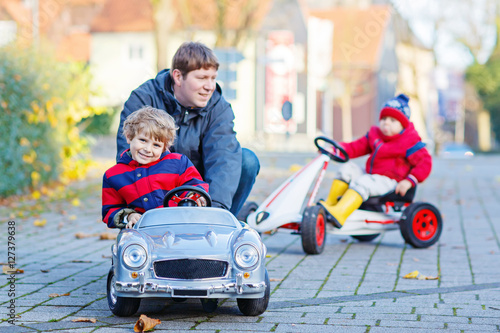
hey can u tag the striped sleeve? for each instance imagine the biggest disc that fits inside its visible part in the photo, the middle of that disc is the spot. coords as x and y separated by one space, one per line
112 202
189 175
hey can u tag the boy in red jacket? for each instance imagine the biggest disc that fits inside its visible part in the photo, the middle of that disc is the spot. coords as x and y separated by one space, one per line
147 171
398 161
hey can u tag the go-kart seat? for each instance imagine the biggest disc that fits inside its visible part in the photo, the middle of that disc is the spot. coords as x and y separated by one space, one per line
399 201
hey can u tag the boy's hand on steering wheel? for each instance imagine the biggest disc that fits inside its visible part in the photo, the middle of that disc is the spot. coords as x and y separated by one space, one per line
403 187
201 202
132 219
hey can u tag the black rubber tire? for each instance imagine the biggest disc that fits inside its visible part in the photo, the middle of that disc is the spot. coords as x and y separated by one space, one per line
313 230
209 304
248 208
421 225
365 238
124 306
255 306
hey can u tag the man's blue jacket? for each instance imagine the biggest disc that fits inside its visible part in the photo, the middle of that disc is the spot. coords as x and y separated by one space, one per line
205 135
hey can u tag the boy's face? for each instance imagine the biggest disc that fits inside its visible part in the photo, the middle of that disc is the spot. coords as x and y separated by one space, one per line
145 149
196 88
390 126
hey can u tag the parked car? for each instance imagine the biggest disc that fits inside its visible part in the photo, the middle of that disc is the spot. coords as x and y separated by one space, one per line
188 252
456 151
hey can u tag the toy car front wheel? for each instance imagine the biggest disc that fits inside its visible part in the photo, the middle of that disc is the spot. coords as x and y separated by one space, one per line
421 225
255 306
120 306
313 230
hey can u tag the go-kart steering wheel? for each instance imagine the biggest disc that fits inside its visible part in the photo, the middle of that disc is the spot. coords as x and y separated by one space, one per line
340 156
194 193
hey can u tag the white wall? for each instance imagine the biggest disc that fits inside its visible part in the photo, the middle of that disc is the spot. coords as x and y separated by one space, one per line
120 62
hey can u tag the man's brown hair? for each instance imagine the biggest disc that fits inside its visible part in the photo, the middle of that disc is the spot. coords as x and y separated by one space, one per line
191 56
152 122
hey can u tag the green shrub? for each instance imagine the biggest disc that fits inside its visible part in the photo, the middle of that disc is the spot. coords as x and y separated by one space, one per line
41 102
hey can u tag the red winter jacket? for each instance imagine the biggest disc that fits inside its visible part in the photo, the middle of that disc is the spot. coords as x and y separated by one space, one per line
401 156
130 185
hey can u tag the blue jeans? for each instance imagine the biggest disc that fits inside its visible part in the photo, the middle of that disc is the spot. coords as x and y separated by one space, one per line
250 167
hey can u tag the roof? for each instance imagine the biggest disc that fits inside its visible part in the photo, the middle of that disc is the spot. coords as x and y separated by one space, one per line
75 46
123 16
358 34
137 15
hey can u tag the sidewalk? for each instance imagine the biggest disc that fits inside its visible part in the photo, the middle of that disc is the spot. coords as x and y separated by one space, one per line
350 287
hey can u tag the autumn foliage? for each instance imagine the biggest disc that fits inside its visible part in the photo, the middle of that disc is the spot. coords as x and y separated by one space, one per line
41 103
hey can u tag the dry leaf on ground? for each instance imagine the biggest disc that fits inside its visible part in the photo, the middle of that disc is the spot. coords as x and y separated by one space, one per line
275 280
145 324
7 270
40 223
107 235
82 261
58 295
80 235
84 320
418 276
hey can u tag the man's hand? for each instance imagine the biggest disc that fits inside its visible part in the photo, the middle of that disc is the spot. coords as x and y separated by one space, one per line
132 219
403 187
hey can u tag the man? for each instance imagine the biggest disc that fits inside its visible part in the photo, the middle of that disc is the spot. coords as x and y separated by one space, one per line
190 94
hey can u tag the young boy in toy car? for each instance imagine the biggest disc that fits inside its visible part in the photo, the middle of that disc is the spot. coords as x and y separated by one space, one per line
398 161
146 171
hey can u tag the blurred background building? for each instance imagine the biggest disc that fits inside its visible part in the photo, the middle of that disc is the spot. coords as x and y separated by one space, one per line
335 61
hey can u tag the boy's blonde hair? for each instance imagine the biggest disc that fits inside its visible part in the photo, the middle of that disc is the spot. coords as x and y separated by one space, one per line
152 122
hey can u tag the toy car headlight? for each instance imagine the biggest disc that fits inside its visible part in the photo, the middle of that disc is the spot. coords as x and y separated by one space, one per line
246 256
134 256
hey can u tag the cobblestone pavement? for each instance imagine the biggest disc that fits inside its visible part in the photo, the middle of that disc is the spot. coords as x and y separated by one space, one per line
351 286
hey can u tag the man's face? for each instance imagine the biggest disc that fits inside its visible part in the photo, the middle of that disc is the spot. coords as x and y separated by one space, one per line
145 149
196 88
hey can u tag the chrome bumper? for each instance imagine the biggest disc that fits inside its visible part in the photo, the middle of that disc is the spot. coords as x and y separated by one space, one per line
233 289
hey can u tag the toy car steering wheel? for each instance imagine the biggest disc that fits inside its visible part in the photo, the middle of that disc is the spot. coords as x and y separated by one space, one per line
340 156
194 193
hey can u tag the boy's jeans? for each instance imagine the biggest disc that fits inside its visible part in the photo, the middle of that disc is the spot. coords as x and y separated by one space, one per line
250 167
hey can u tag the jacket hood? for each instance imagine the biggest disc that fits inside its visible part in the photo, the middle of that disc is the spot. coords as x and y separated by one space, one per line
163 83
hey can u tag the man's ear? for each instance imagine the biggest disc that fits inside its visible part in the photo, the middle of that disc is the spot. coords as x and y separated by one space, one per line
177 76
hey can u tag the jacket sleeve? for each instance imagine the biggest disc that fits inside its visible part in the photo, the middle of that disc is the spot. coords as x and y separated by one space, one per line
113 204
357 147
221 155
188 175
138 98
421 163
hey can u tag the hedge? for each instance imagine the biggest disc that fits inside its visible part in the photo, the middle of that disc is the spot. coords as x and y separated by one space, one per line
41 103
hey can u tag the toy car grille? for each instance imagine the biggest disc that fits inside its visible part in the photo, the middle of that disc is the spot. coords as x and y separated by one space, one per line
190 268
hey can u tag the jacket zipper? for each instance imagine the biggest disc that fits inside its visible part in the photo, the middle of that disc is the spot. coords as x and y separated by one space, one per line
377 147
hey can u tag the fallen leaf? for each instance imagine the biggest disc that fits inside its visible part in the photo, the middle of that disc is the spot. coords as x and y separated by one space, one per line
72 217
75 202
268 256
107 235
80 235
58 295
416 259
412 275
145 324
84 320
106 257
6 269
275 280
80 261
40 223
45 270
418 276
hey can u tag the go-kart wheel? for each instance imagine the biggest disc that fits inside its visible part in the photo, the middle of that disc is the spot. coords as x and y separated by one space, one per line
120 306
313 230
365 238
341 157
421 224
209 304
247 209
194 193
255 306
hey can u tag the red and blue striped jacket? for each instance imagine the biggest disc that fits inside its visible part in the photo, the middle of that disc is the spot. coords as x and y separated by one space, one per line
129 184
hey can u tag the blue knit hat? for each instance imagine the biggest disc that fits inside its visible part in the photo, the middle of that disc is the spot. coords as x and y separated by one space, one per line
397 108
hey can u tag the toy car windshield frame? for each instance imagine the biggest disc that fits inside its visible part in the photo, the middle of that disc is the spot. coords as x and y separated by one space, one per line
190 215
